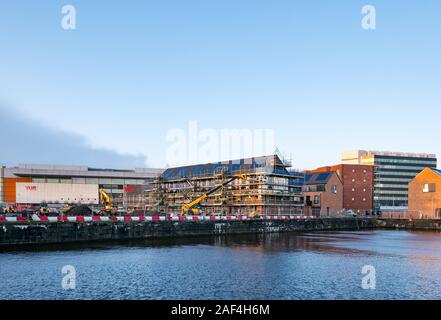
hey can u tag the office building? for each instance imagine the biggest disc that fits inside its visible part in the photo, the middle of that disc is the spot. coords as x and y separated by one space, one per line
392 173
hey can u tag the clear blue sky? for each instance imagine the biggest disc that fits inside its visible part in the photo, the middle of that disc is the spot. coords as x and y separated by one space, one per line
135 69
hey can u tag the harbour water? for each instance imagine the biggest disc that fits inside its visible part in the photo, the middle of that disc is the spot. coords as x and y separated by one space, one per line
271 266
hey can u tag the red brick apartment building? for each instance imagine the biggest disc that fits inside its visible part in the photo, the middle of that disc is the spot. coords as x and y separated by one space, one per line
358 185
323 194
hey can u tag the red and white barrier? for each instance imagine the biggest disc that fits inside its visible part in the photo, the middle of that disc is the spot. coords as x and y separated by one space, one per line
13 219
148 218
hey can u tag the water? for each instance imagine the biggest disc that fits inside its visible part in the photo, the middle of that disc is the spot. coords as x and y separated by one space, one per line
275 266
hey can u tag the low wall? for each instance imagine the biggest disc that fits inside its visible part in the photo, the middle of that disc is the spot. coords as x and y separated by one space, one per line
406 224
25 233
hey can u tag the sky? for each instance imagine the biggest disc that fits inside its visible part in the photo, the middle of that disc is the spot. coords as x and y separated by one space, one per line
117 90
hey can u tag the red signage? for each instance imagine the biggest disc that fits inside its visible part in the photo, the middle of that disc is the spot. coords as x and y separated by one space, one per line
128 189
31 188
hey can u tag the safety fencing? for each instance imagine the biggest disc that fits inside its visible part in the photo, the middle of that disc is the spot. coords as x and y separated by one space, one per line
147 218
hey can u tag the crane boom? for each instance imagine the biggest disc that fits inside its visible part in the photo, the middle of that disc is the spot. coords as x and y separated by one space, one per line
185 208
105 199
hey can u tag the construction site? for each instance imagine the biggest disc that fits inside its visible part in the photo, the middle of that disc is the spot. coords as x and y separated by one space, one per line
254 186
265 185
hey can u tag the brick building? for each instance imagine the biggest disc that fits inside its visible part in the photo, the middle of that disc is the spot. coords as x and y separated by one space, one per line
392 173
358 185
425 194
323 194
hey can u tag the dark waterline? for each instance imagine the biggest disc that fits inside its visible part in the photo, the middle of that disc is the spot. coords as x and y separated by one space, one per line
270 266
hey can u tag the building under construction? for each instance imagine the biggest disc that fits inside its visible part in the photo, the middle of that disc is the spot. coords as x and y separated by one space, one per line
266 186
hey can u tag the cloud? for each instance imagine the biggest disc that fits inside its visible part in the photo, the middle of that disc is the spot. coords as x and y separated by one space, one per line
25 141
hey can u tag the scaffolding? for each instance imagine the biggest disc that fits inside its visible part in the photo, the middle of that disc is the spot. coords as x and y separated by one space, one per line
270 188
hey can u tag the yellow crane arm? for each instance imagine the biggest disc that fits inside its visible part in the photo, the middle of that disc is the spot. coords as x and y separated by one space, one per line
105 199
195 202
186 207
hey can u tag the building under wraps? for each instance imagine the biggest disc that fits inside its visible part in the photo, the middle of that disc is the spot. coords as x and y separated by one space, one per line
270 187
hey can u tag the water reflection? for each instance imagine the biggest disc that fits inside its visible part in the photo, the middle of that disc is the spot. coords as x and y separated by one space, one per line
323 265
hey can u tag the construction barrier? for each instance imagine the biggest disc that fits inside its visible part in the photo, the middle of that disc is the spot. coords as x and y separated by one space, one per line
147 218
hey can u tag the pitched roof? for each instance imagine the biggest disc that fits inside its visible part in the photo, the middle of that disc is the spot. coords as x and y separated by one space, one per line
229 167
318 178
437 171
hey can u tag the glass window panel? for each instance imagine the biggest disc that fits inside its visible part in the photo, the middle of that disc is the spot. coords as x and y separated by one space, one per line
79 180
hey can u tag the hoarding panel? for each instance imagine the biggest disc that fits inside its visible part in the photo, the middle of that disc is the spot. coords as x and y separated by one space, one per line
35 193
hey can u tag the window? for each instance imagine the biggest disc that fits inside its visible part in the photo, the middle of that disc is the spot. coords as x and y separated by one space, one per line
104 181
353 180
79 180
429 187
364 199
353 170
364 190
353 189
316 199
334 189
353 199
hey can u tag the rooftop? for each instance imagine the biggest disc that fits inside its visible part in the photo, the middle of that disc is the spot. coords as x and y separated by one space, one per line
397 154
319 177
25 170
227 167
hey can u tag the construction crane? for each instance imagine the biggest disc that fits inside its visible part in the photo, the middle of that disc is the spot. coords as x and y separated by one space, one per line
187 208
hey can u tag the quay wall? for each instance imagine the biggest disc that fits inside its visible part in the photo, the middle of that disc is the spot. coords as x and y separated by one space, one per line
31 232
406 224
